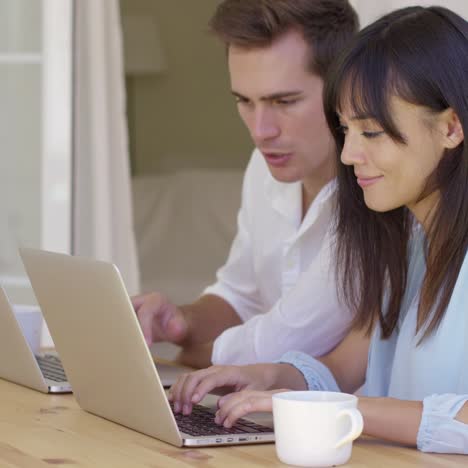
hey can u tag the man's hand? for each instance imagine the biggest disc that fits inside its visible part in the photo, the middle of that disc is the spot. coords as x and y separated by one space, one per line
196 356
190 325
160 320
191 388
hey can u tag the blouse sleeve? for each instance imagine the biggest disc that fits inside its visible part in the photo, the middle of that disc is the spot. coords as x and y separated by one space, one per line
439 431
316 374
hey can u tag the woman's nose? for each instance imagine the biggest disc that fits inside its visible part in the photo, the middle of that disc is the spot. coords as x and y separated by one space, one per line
352 152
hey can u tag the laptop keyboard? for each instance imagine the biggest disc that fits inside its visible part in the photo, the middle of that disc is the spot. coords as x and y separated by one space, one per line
201 423
51 368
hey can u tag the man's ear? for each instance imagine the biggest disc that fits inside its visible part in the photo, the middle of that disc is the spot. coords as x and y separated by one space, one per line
452 129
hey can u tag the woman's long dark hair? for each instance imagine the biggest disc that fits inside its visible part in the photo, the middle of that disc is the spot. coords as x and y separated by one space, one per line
420 55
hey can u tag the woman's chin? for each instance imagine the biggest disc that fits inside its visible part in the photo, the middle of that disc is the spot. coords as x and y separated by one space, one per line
380 206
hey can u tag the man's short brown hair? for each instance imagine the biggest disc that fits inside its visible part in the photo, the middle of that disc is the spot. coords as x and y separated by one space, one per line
326 25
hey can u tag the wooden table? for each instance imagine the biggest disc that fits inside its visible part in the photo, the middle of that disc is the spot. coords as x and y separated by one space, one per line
38 430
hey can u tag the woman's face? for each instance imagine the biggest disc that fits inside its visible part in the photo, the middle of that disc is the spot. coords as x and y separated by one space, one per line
392 174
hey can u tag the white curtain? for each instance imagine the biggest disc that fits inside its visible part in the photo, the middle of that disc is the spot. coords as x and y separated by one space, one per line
370 11
103 220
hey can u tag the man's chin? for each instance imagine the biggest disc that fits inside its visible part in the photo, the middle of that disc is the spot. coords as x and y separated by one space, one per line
287 177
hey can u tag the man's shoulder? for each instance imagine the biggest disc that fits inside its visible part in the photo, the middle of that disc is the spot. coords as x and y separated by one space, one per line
257 166
257 178
257 173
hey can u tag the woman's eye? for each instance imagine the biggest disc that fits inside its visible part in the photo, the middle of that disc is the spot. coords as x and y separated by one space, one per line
372 134
343 129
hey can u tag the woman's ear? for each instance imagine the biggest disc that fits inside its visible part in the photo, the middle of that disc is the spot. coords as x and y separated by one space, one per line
452 129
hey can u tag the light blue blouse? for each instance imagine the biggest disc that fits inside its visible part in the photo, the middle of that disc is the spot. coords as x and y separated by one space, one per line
435 371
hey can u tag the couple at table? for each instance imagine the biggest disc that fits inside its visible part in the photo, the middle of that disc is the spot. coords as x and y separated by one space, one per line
348 267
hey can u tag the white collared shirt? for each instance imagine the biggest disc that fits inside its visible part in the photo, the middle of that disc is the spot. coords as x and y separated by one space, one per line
279 276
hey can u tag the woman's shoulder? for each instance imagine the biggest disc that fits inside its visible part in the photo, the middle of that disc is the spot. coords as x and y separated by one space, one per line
461 286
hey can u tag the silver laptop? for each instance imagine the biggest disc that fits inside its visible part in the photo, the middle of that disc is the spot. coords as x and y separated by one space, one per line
43 372
109 365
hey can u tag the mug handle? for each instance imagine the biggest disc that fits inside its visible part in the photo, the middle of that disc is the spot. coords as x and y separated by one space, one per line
357 424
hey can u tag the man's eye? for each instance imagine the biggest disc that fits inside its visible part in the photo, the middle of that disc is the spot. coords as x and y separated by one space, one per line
285 102
372 134
240 100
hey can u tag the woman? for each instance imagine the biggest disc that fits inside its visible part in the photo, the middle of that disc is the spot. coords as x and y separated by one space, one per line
397 104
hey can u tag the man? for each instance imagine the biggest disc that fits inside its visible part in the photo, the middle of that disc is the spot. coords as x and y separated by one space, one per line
277 290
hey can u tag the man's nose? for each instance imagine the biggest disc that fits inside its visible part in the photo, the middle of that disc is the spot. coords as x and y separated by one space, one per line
264 125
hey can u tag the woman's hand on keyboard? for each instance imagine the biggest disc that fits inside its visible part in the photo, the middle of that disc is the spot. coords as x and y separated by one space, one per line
240 404
191 388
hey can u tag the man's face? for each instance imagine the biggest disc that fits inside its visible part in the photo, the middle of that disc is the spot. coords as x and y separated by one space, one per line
280 102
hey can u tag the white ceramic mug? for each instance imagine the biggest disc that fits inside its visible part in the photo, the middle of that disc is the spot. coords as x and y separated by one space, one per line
315 428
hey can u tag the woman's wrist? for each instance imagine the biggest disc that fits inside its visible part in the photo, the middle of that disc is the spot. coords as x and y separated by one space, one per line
286 376
391 419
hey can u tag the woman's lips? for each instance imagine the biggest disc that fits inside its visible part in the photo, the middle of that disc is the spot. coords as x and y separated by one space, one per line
277 159
367 181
